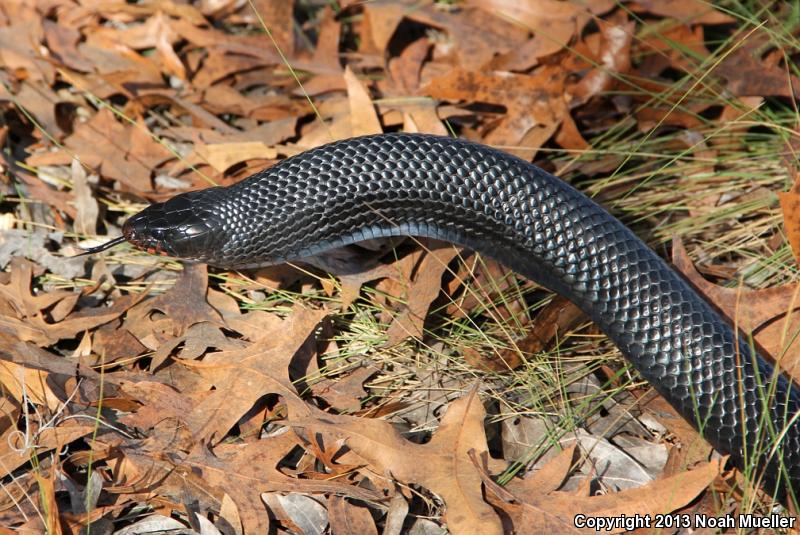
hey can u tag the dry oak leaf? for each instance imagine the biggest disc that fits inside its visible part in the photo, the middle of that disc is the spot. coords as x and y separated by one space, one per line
185 303
659 50
326 54
15 453
476 37
22 314
748 74
381 21
442 465
103 143
243 376
614 58
159 403
244 470
346 518
223 156
535 102
28 385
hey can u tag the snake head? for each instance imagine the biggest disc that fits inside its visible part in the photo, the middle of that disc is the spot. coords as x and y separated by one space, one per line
181 227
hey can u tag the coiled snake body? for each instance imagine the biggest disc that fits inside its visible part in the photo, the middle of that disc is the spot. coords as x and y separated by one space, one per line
536 224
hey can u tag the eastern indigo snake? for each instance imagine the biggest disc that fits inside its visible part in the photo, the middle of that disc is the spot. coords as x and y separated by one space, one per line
536 224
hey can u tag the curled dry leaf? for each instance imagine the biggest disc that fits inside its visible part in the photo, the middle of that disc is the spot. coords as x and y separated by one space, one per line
539 512
15 452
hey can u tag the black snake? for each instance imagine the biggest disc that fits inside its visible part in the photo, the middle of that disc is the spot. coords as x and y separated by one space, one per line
536 224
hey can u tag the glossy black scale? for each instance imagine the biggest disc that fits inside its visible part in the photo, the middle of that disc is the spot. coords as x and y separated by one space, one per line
506 208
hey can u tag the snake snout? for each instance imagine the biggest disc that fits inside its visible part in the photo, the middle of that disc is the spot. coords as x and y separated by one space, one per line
180 227
147 232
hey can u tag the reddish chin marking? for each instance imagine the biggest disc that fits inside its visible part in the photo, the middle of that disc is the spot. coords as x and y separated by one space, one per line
156 250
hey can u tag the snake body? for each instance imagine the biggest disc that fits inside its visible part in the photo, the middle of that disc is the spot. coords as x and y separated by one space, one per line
536 224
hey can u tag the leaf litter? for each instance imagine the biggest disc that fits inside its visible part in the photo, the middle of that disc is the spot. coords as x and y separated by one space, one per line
423 387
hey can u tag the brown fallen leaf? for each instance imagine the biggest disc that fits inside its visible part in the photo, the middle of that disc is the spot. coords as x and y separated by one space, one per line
15 452
381 22
160 403
23 314
278 18
113 342
476 37
346 518
735 116
86 207
790 206
185 303
363 117
222 156
326 53
102 143
28 385
47 498
442 465
555 319
62 42
487 287
538 512
549 478
244 470
423 290
556 21
659 50
344 393
690 448
533 101
243 376
405 69
748 75
688 11
423 119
